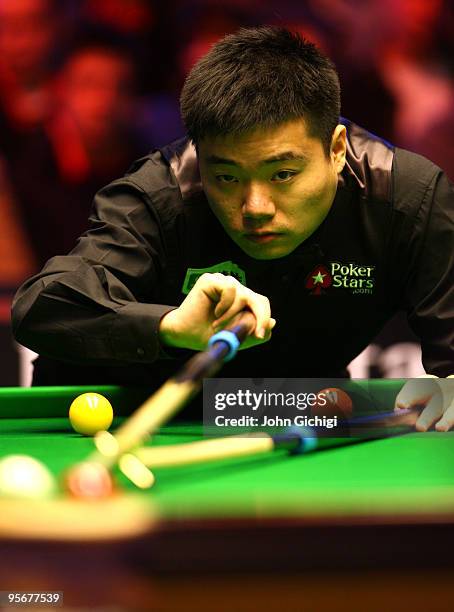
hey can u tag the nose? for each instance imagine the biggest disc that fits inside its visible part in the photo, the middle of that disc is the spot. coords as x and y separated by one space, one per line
257 203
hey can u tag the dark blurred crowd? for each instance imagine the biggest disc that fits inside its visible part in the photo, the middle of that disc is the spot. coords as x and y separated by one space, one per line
87 86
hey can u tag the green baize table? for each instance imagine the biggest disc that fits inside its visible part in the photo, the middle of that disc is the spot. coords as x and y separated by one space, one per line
375 519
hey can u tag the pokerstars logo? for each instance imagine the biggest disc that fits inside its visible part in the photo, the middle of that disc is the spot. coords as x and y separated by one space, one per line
357 278
354 277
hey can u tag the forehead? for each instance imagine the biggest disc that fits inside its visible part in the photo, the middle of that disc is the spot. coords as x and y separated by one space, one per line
261 144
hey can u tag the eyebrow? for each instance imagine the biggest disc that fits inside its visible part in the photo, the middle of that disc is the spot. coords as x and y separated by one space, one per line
280 157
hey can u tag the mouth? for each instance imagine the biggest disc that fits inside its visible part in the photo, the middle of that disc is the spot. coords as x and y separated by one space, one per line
261 237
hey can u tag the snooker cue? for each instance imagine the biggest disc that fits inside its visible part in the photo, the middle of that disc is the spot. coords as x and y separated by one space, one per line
173 395
296 440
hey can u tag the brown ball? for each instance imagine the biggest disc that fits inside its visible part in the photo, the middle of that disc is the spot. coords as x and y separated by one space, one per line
333 402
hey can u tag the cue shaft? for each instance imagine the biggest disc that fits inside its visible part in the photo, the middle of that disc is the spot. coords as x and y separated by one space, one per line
137 464
380 425
154 412
205 450
151 415
373 426
169 399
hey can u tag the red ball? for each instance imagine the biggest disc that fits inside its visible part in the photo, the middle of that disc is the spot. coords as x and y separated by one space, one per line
89 480
333 402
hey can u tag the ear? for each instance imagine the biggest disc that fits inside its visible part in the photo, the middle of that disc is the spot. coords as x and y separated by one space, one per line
338 147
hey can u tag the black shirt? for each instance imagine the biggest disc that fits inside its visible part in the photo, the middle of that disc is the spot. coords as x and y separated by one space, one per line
387 244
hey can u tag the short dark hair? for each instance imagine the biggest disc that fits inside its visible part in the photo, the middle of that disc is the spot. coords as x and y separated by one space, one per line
261 76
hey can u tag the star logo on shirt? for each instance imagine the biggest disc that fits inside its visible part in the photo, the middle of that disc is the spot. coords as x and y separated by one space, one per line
319 278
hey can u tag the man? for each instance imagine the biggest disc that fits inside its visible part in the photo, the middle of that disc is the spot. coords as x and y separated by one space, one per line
287 211
88 141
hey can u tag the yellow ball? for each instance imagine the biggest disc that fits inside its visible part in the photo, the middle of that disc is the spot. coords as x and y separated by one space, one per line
90 413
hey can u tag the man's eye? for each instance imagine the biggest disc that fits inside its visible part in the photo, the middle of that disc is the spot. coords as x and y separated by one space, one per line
226 178
283 175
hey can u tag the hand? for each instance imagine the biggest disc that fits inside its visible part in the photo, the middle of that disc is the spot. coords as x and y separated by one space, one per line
212 304
435 396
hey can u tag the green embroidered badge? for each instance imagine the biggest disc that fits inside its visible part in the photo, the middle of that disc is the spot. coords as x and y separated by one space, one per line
226 267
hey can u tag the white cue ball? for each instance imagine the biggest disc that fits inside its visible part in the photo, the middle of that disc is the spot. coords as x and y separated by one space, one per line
24 477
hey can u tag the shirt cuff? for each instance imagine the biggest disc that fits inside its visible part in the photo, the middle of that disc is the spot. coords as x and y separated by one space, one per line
134 334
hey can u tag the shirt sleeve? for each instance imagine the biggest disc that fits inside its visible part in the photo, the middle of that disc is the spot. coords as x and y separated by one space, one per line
97 304
429 289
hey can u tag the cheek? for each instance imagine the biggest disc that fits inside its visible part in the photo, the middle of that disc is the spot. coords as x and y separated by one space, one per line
313 201
222 207
319 189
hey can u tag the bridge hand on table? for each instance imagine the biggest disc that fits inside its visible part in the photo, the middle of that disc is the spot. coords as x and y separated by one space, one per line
435 397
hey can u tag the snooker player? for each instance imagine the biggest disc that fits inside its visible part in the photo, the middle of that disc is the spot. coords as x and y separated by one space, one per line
272 203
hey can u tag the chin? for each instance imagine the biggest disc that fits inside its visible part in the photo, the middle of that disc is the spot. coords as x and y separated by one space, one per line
264 252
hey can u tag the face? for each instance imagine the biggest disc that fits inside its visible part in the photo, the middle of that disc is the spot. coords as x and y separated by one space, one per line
97 88
271 188
27 35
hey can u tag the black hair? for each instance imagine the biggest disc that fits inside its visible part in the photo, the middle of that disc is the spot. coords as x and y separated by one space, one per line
261 76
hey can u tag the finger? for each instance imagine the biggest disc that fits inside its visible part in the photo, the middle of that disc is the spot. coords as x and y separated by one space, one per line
259 306
261 309
447 420
226 301
213 284
447 388
416 392
268 332
239 304
232 297
254 341
222 290
412 402
431 413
